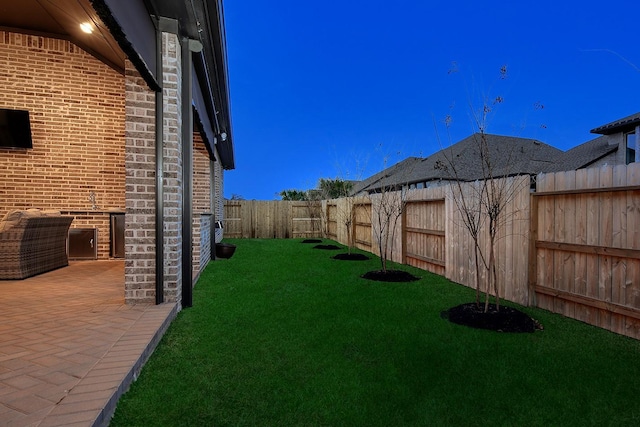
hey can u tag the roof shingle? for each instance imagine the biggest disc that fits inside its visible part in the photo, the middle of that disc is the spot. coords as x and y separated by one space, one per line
509 156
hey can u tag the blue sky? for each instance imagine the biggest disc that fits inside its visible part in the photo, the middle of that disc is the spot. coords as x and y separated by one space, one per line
342 88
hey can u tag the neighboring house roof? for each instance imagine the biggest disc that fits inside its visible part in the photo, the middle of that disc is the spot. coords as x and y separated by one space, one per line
396 173
510 155
621 125
585 154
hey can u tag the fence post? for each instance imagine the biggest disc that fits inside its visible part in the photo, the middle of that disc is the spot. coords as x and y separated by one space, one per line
533 253
403 236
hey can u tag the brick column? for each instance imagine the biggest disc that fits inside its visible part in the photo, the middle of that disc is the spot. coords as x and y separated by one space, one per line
139 189
172 140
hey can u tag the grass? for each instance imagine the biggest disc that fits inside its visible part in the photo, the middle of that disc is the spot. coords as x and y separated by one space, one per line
283 335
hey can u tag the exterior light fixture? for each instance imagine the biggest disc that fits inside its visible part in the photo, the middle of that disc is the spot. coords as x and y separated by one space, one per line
86 27
223 136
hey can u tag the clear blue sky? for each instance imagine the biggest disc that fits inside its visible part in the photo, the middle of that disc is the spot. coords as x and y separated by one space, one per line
341 88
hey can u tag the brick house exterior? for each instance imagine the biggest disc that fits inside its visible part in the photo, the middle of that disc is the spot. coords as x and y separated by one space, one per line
96 128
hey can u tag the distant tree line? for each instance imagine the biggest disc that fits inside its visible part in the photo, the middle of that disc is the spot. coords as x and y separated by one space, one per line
327 189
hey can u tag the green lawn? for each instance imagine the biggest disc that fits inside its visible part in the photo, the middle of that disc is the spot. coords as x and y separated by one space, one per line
283 335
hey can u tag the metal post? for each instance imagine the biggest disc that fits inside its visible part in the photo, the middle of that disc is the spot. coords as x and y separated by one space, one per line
187 175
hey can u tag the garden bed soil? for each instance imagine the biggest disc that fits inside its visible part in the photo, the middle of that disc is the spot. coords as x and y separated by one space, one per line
390 276
312 241
351 257
507 319
327 247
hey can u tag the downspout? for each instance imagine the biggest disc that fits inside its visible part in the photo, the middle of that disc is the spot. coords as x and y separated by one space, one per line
212 202
637 147
159 171
188 46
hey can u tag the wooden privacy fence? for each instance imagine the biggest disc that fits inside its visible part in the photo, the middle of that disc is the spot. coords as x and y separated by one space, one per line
572 246
271 219
586 258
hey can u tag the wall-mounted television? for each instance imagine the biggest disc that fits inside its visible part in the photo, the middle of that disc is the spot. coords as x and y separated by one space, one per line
15 129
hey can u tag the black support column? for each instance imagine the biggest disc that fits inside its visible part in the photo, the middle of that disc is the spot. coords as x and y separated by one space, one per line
187 169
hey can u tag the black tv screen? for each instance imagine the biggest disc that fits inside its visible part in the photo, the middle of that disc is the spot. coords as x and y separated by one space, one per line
15 129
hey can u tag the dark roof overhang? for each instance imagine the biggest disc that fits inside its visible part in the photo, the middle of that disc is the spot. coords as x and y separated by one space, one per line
131 25
622 125
203 21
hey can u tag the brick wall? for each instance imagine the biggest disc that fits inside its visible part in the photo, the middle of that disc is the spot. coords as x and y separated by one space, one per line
76 104
201 206
140 190
201 177
201 243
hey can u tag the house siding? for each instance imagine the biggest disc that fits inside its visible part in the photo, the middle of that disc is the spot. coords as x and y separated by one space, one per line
610 159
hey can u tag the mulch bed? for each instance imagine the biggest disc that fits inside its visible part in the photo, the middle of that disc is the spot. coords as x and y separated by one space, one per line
507 319
327 247
312 241
351 257
390 276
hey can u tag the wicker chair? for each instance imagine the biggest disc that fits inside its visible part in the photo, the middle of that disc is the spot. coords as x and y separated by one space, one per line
33 244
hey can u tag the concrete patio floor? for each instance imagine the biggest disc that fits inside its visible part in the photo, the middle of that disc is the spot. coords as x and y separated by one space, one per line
70 347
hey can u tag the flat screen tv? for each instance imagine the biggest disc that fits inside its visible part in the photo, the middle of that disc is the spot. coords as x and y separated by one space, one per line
15 129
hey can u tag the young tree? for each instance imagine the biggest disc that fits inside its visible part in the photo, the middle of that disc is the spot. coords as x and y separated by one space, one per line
387 208
346 218
482 203
339 189
313 202
388 205
468 201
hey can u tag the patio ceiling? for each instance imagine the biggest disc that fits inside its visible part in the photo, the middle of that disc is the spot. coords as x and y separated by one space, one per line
62 19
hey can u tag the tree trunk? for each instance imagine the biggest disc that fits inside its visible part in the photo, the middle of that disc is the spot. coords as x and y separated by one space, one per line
476 249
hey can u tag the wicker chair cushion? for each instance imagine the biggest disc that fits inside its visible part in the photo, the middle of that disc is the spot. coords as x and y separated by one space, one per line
12 218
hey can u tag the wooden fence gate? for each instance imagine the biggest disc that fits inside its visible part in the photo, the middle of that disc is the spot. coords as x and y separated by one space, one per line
423 235
362 235
272 219
332 220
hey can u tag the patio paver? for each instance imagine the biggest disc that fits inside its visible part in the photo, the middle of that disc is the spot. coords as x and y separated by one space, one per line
70 346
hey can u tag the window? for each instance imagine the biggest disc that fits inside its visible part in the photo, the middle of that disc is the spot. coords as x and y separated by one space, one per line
631 147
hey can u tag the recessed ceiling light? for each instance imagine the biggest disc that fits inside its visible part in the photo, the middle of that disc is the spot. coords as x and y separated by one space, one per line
86 27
